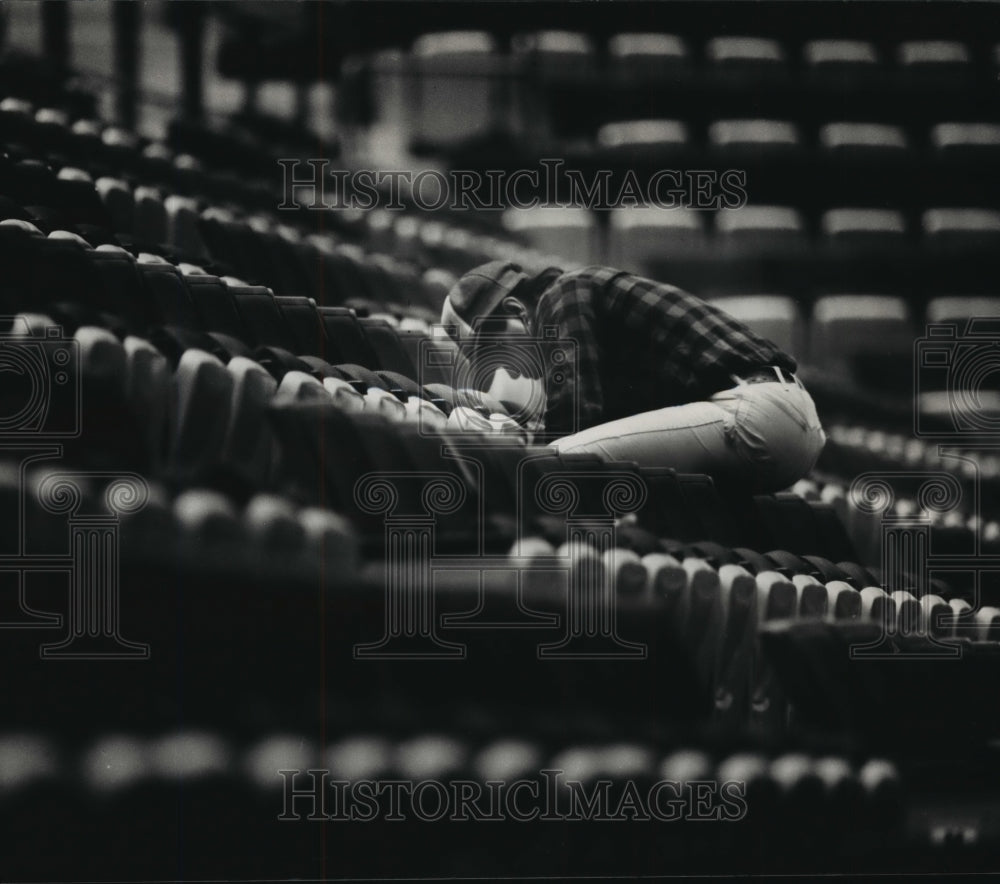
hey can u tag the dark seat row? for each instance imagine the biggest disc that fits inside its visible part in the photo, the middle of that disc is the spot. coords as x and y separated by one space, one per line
138 293
194 164
756 160
105 150
210 790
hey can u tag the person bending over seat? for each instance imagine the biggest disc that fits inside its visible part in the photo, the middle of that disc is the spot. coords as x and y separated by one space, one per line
658 377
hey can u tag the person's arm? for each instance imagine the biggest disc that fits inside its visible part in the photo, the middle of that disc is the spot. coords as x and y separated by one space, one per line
697 347
573 389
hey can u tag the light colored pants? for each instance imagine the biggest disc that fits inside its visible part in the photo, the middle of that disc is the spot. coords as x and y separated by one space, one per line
763 436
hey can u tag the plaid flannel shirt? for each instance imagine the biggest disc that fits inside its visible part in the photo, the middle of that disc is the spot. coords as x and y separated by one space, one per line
640 345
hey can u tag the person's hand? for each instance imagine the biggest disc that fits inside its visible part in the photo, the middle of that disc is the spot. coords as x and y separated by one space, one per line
528 394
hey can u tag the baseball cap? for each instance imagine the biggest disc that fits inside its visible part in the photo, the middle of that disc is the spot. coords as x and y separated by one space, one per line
482 291
479 293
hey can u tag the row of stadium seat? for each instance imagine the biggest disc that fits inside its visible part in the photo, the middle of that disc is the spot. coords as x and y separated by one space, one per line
241 160
556 71
873 163
970 529
144 289
768 228
115 764
559 47
844 331
842 337
149 184
701 610
293 263
958 140
768 249
107 150
175 219
206 791
876 227
174 389
188 170
239 330
854 449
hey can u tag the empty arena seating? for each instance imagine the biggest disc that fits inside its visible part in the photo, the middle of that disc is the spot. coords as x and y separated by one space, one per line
862 337
455 75
570 234
745 136
871 228
659 135
640 56
959 309
777 318
763 227
744 54
639 237
328 556
839 57
554 54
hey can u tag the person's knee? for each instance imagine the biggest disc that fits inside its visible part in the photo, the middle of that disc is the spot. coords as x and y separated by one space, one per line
779 443
796 461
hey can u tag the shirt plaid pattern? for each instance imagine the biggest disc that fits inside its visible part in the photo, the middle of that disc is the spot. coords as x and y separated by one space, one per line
640 345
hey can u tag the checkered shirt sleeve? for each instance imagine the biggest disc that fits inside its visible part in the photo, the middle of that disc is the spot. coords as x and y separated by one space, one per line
690 347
